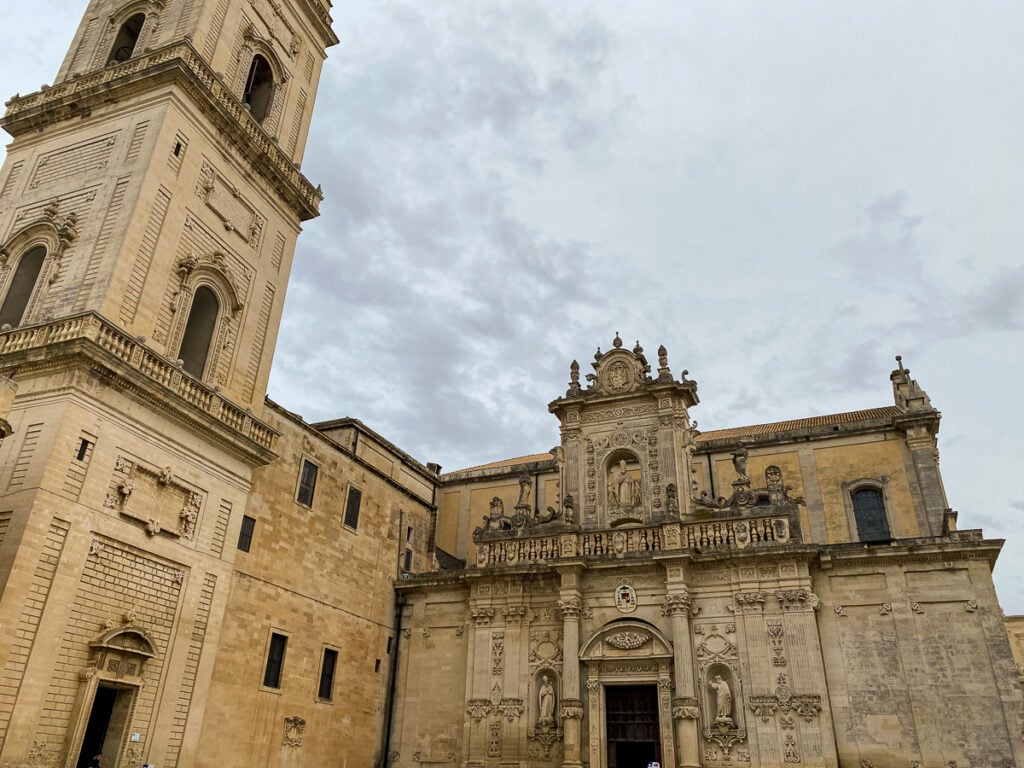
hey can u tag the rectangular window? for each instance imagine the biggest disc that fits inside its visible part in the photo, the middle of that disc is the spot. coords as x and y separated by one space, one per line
355 497
245 534
326 690
407 559
307 483
84 446
275 660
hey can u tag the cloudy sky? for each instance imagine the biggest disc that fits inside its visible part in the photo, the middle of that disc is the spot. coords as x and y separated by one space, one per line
784 194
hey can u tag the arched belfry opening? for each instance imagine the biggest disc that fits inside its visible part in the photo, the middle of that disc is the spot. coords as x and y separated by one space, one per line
259 88
127 38
22 284
199 330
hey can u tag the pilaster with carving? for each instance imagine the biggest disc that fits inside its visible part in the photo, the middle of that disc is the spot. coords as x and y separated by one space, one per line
571 606
479 705
678 606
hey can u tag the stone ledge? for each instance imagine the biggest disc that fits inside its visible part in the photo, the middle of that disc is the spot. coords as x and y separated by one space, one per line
110 352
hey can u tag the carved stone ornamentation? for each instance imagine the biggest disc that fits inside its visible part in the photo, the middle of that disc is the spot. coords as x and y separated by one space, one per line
294 728
572 709
478 709
796 599
679 603
482 616
628 641
497 653
511 709
685 708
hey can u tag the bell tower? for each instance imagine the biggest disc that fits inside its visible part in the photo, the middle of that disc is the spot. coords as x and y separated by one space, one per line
150 203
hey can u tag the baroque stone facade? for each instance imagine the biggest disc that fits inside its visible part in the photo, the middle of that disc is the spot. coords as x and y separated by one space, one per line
785 593
193 576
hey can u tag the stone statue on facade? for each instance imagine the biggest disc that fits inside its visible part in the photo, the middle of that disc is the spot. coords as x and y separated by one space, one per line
623 490
546 700
723 700
739 463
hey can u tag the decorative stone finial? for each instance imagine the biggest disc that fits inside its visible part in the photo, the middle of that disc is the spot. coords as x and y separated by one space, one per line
907 393
574 380
617 342
664 374
638 350
599 354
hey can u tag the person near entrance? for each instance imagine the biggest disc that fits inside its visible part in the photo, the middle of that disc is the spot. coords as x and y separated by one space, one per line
95 761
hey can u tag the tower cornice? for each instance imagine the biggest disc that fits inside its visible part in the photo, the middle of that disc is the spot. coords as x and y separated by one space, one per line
178 64
90 342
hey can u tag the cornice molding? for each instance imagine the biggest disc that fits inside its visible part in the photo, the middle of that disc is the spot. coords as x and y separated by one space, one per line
91 344
176 64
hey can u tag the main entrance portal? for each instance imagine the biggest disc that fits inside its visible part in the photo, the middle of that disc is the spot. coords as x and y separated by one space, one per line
631 713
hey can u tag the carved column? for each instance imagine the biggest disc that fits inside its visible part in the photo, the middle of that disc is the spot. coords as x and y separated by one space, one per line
479 705
684 706
512 706
571 708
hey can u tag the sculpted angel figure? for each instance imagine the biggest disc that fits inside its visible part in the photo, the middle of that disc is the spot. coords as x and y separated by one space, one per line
723 699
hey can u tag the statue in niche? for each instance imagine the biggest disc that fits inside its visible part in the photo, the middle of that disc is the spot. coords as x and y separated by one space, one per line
623 490
723 700
671 498
546 700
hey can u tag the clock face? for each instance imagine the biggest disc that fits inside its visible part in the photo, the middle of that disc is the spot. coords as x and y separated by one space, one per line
618 376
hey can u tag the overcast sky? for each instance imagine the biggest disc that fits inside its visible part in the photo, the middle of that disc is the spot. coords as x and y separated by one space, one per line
785 195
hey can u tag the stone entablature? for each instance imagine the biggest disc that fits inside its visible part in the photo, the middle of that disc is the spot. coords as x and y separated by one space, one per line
722 535
182 63
149 371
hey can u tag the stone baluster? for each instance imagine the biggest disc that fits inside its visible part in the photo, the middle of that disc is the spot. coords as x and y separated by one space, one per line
685 711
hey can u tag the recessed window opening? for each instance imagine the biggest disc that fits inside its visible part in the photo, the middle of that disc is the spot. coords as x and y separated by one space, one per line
869 512
245 533
22 284
355 497
83 449
195 343
127 38
275 661
259 88
325 690
307 483
177 148
376 665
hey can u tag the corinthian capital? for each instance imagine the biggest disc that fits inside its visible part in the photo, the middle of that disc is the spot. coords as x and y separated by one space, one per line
571 609
679 604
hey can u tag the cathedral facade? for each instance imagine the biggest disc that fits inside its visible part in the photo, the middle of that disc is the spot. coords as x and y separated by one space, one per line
192 575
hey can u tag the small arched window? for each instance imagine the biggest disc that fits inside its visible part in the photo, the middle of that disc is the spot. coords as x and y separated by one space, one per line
22 285
202 321
259 88
127 38
869 512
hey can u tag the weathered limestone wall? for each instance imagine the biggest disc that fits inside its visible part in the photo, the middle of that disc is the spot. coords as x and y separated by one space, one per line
918 662
126 530
323 585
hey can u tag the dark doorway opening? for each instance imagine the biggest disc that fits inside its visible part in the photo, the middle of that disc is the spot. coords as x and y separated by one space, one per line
632 725
105 729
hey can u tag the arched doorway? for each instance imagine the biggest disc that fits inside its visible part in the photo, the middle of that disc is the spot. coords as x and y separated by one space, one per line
108 695
629 691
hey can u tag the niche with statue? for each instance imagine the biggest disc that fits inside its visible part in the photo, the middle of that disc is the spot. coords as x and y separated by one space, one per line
624 491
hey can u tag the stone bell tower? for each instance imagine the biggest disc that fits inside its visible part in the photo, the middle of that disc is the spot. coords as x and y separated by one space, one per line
149 207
